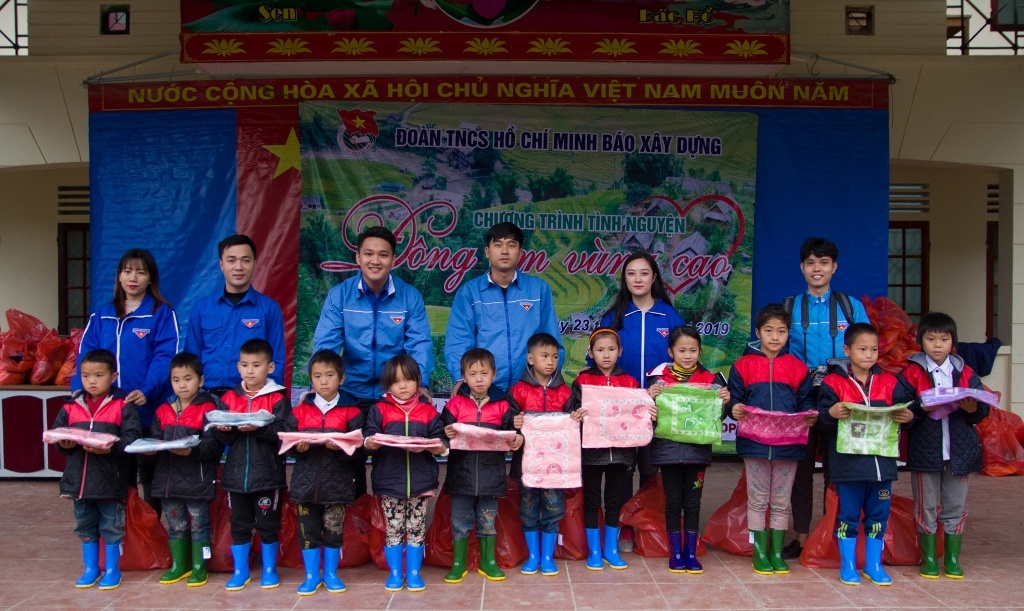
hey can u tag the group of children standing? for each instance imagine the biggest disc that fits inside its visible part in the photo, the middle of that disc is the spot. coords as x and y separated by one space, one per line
323 482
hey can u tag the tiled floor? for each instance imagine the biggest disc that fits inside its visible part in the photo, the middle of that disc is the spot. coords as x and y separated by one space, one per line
39 560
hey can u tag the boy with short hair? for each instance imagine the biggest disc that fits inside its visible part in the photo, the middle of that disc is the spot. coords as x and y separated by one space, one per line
541 389
941 453
97 478
254 472
323 481
186 479
863 482
476 480
769 378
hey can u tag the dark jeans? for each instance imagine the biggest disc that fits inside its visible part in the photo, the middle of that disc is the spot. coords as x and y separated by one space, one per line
873 498
320 525
95 518
468 511
185 516
802 497
615 478
541 508
684 487
261 510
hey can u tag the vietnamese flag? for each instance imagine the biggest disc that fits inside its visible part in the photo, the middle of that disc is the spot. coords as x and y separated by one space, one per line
178 182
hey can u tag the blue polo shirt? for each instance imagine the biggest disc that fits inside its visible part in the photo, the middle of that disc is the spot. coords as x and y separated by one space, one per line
217 329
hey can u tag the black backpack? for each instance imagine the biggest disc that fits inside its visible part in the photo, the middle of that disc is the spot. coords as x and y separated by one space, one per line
836 300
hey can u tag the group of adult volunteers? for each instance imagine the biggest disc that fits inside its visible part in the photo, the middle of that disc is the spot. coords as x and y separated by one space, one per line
374 316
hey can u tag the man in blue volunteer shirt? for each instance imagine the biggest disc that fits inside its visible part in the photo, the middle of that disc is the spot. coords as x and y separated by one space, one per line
820 317
372 317
500 311
221 322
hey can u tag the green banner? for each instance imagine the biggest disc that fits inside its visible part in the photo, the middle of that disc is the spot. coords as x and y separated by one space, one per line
588 185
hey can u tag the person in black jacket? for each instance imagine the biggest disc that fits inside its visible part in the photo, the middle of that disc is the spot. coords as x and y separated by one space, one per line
862 481
324 478
97 478
476 480
941 453
186 479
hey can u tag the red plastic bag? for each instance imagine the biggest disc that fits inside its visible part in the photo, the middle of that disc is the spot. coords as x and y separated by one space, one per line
572 535
50 353
220 560
355 551
897 334
25 327
509 544
10 378
289 552
727 528
144 546
1002 453
645 513
67 370
900 548
16 355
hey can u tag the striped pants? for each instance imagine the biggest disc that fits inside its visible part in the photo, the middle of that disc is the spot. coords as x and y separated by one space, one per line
871 498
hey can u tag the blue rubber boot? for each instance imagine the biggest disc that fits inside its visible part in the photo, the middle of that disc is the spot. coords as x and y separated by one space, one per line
611 548
332 556
112 575
690 554
873 562
413 562
532 564
848 562
548 566
91 559
269 579
240 554
311 560
594 562
675 553
393 554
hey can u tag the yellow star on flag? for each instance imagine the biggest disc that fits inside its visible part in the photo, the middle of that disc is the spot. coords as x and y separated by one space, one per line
287 154
359 122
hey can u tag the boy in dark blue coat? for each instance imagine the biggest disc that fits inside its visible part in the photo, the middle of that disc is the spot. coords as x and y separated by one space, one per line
863 482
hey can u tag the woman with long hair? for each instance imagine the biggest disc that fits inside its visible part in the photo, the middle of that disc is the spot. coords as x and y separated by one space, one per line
139 326
643 314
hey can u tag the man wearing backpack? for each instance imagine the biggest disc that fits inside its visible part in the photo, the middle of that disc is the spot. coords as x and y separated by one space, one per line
820 317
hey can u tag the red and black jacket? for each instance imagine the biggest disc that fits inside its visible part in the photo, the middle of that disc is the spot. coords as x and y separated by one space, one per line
528 396
477 473
98 476
192 477
779 384
323 476
592 376
399 473
667 451
839 386
253 463
924 436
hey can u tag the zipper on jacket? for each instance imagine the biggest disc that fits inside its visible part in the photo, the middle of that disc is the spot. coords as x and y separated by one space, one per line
373 342
608 382
476 455
85 462
643 348
167 492
771 393
408 465
320 463
248 436
508 337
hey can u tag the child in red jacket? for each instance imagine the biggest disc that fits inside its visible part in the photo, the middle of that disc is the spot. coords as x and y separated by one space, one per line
94 477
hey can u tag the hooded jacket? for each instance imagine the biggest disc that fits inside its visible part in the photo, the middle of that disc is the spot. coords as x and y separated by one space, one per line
477 473
143 342
924 435
840 386
398 473
592 376
253 463
98 476
192 477
321 475
667 451
527 395
779 384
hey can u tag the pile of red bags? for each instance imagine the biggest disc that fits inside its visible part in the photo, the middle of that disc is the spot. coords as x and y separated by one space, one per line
1002 436
645 514
727 528
897 335
31 353
509 543
144 546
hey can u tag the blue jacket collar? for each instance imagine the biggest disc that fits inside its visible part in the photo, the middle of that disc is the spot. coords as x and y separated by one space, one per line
363 288
490 282
246 297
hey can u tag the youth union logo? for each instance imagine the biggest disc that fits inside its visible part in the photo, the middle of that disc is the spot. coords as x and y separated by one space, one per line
358 130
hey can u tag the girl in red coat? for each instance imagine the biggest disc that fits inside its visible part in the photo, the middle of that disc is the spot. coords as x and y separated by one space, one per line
614 465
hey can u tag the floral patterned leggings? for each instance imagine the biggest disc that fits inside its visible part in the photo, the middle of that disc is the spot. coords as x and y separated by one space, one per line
769 483
406 518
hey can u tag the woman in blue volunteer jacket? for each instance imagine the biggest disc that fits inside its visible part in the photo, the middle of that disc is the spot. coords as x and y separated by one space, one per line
643 314
140 328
